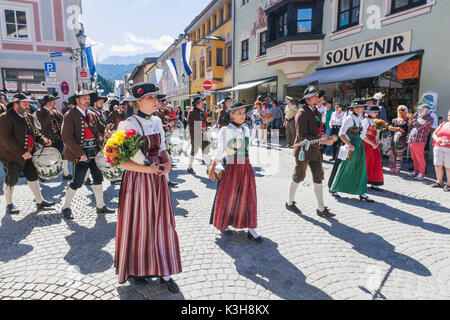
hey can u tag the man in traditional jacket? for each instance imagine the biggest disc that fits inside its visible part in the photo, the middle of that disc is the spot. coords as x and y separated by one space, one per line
18 139
223 117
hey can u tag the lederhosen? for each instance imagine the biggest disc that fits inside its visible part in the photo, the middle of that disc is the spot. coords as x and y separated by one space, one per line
205 144
91 146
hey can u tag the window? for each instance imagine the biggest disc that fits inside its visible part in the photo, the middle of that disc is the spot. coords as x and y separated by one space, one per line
400 5
304 20
209 26
244 55
219 57
244 2
16 24
221 16
202 67
229 8
348 14
229 54
281 25
214 22
262 43
208 57
194 70
204 29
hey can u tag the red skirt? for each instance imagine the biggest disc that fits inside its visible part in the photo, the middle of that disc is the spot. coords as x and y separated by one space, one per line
374 166
146 240
236 201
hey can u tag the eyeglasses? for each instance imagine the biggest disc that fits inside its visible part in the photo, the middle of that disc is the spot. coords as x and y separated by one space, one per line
402 111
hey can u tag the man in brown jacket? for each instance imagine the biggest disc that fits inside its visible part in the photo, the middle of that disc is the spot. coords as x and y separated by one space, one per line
223 117
83 134
18 138
308 126
50 119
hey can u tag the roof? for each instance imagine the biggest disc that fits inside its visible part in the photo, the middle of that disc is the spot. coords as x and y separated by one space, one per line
197 18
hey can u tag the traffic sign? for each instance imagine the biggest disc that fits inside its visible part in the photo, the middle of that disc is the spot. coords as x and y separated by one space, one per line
65 88
50 75
50 84
207 85
50 66
55 54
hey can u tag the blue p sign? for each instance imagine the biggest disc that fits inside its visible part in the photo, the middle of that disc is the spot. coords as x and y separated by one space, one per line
50 67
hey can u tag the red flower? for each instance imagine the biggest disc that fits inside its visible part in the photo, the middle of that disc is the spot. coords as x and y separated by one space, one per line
130 133
140 91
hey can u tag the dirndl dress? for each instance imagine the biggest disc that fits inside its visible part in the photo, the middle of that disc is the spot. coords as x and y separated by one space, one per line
373 159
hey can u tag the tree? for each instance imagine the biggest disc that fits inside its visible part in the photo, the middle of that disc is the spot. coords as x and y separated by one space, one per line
104 84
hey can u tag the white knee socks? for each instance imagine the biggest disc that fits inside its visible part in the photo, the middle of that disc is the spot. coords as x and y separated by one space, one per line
292 191
8 191
70 193
36 189
318 190
98 192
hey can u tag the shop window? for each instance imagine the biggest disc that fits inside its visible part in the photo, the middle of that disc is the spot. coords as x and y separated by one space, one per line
401 5
262 43
16 24
304 20
208 58
244 50
348 13
229 55
202 67
219 57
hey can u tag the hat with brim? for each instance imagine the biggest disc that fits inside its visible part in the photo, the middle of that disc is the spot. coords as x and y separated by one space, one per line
358 103
143 89
47 99
96 97
289 98
425 106
238 106
80 93
198 99
310 92
371 109
18 98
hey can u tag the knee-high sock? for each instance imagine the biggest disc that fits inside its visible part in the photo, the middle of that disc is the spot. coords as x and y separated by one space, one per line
66 168
318 190
292 191
70 193
8 191
98 192
36 189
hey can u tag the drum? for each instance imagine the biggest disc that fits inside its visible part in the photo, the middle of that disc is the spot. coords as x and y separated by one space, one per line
110 173
48 163
174 144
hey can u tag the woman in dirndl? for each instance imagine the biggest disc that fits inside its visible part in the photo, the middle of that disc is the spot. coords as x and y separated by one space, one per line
371 146
351 176
236 201
146 240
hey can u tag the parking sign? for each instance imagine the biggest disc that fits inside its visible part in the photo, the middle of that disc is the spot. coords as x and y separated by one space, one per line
50 67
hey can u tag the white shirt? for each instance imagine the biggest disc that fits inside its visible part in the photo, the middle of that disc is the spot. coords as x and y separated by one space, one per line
227 134
336 120
82 111
349 121
151 127
366 123
323 110
435 120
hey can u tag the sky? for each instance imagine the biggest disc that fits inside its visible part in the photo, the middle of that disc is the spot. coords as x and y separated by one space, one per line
126 28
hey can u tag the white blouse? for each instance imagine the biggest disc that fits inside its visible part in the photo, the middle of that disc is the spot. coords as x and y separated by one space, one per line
336 120
349 121
227 134
366 123
151 127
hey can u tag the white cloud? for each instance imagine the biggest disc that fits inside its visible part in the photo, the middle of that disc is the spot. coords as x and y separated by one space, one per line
137 6
152 45
93 43
128 48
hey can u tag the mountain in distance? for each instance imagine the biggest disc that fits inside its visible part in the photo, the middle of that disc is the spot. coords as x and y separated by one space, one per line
113 72
137 59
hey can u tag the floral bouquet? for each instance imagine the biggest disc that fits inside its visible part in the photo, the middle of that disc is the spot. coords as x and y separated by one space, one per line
381 126
124 146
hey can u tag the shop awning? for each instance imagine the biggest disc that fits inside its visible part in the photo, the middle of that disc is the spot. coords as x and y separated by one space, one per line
352 72
247 85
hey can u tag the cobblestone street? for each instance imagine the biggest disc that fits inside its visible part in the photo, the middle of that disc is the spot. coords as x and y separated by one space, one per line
396 248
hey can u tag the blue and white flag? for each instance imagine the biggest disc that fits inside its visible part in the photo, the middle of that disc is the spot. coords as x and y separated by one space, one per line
173 69
186 52
90 61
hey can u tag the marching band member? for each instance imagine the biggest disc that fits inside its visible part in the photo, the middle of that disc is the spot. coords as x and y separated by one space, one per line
236 200
223 116
50 119
351 175
97 106
371 146
115 115
18 138
82 133
308 125
289 122
146 240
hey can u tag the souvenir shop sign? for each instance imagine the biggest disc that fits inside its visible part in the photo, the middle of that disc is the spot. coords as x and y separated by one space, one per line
383 47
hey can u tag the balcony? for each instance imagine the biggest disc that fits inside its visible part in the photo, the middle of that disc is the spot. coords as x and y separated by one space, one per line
295 37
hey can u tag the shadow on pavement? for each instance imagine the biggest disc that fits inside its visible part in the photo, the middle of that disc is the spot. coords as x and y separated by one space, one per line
184 195
86 246
153 290
372 246
13 232
264 265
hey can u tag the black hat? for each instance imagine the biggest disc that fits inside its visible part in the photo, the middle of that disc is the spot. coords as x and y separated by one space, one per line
238 105
18 98
198 99
143 89
371 109
225 100
114 103
357 103
80 93
48 99
321 93
96 97
310 92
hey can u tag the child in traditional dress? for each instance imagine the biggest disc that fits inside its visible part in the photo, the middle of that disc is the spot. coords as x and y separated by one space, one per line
146 241
236 202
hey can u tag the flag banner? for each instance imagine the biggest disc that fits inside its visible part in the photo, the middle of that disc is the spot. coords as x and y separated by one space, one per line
173 69
158 74
186 51
90 61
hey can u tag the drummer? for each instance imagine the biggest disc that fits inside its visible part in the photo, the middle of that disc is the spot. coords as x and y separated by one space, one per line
18 138
97 103
83 134
50 119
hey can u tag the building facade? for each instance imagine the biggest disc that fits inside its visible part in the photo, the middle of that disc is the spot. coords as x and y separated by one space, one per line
29 31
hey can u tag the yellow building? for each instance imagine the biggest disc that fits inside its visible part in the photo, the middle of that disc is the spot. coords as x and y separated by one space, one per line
211 34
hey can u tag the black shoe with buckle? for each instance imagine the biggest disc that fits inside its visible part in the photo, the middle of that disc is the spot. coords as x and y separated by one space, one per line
45 204
335 194
12 209
67 214
171 285
376 188
293 208
139 280
325 213
105 210
69 177
366 198
191 171
251 237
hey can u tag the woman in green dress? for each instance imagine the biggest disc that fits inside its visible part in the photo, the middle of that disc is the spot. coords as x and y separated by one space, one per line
351 176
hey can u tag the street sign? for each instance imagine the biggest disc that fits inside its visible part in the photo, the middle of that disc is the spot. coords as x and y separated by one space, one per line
50 75
83 75
55 54
65 88
50 66
49 84
207 85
